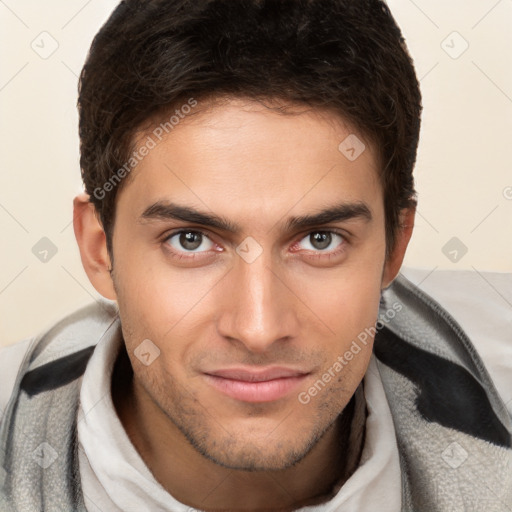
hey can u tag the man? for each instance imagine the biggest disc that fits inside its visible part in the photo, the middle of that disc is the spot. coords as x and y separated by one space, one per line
249 201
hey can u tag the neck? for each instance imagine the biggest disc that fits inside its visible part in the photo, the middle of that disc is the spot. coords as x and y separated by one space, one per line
178 467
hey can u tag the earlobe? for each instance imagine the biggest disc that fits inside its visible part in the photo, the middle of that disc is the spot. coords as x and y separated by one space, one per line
395 259
92 244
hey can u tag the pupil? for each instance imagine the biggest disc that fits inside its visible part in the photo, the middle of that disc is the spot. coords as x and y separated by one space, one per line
190 240
321 239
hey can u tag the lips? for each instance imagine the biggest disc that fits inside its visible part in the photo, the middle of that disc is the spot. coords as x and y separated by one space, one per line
261 385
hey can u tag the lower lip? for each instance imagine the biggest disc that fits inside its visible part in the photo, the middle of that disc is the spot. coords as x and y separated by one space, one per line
267 391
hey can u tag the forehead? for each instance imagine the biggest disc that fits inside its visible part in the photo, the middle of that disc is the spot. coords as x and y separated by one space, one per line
240 154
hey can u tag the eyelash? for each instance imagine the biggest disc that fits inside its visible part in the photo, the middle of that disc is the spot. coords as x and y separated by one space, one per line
327 255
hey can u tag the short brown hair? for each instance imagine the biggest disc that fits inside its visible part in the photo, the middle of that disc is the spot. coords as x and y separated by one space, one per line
347 56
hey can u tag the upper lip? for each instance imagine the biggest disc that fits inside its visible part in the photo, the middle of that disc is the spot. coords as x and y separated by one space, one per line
257 375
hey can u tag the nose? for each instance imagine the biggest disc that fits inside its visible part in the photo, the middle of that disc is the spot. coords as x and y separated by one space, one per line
259 309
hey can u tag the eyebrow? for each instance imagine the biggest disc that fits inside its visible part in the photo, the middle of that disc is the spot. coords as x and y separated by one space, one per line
164 210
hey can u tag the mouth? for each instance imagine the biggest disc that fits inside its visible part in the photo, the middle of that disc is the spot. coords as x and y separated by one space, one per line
262 385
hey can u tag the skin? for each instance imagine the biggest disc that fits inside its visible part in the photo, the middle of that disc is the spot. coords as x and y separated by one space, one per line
298 304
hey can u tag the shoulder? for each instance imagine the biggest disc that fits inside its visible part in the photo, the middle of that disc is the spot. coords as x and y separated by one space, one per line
71 336
481 303
11 358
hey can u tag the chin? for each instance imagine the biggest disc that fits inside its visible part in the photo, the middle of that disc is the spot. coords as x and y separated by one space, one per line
260 452
256 458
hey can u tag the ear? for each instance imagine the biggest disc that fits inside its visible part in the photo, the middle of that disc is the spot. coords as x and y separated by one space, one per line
93 246
395 259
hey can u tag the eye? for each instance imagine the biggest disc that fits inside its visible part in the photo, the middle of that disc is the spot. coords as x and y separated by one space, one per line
189 241
324 241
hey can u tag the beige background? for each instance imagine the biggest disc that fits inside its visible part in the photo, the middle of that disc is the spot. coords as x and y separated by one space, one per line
464 171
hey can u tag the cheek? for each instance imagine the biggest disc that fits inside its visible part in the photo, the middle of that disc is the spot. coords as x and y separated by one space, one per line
169 308
349 306
346 300
159 295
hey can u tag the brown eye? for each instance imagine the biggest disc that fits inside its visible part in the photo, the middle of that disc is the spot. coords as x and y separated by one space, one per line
320 240
189 241
324 241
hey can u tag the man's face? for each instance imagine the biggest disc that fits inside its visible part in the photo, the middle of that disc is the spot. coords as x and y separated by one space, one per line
248 319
